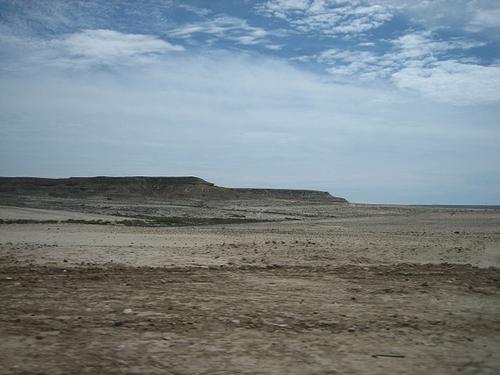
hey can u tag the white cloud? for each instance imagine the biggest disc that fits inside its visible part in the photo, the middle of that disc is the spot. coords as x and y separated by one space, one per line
224 27
283 8
351 17
109 47
479 16
452 81
485 19
418 44
360 65
412 48
274 47
420 62
329 18
202 12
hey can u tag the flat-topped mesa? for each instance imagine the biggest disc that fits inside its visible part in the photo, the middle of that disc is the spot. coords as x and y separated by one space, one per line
104 180
181 180
287 194
140 187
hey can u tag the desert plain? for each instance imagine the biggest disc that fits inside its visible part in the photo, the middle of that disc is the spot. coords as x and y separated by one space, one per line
100 284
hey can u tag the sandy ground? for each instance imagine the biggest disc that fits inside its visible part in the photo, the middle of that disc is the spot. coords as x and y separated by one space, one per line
338 290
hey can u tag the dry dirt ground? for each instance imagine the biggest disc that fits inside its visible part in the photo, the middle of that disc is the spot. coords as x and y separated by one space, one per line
339 289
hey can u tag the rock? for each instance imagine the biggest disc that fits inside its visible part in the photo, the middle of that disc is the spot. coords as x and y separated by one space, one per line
164 188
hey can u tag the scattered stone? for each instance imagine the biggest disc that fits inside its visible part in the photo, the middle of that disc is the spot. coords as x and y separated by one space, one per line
388 355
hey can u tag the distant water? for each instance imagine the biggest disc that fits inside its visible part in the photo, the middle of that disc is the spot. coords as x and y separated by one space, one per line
481 207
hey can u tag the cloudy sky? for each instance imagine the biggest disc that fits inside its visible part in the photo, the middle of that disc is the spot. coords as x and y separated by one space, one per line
381 101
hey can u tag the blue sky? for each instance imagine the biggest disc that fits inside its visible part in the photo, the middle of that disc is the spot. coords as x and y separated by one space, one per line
377 101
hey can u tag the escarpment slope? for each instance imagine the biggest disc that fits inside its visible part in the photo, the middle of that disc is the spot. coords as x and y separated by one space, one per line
150 187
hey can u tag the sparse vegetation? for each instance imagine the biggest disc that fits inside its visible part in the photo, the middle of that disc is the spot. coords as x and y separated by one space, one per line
155 221
95 222
69 221
142 221
27 221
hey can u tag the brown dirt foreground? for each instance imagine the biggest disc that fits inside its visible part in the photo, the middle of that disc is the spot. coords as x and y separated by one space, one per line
377 319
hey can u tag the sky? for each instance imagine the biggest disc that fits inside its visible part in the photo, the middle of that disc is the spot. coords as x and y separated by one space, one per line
377 101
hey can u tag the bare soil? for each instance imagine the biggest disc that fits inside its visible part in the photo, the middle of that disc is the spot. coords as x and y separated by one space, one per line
342 289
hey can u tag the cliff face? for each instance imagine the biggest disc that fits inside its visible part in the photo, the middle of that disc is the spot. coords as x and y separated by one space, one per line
150 187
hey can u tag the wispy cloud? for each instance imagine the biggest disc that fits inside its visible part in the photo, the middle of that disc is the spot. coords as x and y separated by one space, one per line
352 17
421 62
416 48
424 44
452 81
108 47
485 19
329 18
202 12
226 28
478 16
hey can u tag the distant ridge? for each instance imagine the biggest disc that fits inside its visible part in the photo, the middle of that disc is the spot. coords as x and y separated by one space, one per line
184 187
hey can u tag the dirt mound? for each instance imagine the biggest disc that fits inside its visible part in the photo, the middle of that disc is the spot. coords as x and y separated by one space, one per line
150 187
